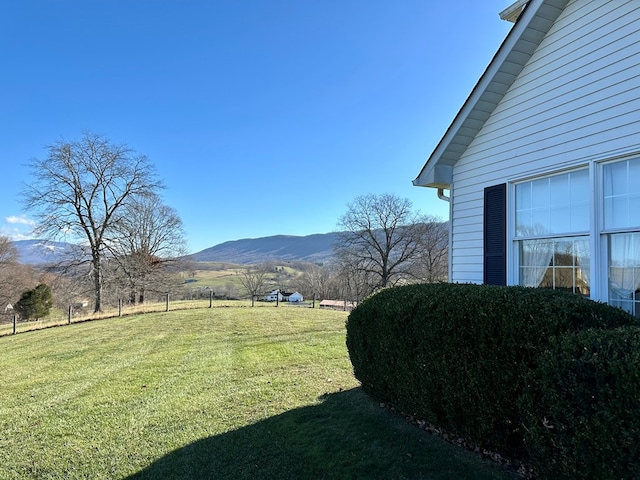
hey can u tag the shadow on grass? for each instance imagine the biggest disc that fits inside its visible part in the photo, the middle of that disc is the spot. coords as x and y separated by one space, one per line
346 436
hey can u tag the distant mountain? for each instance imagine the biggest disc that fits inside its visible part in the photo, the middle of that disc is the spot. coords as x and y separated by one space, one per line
311 248
315 248
40 252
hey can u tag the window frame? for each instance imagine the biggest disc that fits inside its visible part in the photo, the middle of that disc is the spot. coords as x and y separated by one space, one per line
513 252
597 234
602 234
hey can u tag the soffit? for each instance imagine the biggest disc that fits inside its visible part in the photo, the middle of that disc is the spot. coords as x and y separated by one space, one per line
524 38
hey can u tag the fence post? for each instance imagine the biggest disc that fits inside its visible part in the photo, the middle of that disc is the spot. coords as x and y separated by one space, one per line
167 308
15 321
119 307
210 298
69 315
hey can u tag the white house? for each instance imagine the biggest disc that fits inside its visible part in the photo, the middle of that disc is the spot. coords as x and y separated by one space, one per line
541 165
273 296
295 297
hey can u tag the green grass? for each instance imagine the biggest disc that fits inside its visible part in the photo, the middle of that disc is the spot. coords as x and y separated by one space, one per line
233 393
217 279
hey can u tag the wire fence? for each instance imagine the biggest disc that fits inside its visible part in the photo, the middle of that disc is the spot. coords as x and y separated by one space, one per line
13 325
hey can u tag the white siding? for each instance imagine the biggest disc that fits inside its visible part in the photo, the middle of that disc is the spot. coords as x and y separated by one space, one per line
577 100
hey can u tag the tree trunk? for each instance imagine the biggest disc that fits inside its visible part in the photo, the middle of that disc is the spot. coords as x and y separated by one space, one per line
97 284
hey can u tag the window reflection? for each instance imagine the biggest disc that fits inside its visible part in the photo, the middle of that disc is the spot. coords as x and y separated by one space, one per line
622 194
624 271
553 205
560 263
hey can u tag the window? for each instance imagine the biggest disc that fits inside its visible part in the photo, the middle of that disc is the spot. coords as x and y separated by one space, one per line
621 205
552 227
624 271
553 205
558 263
555 233
622 194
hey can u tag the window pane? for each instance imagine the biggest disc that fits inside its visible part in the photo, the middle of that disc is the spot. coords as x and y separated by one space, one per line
535 258
559 218
559 190
539 222
553 205
634 176
615 179
580 191
540 192
523 196
622 194
616 212
634 210
561 263
579 185
624 270
582 261
563 279
523 226
563 253
579 220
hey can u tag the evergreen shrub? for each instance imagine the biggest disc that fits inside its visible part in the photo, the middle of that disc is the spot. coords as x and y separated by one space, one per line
460 356
583 418
35 303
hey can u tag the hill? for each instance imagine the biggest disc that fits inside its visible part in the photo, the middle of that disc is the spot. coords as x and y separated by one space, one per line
315 248
40 252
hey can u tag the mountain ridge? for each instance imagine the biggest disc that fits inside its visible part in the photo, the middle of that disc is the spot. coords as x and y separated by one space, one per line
42 252
315 248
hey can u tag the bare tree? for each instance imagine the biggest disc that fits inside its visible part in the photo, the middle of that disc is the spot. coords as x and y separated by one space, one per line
148 239
354 283
254 279
379 238
318 281
81 190
12 284
432 263
8 252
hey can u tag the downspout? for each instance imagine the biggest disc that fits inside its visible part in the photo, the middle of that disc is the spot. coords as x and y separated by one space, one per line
442 196
447 199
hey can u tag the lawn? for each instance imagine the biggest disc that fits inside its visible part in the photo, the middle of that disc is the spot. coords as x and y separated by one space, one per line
226 393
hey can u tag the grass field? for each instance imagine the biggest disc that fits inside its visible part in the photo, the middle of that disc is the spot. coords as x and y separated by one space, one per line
227 393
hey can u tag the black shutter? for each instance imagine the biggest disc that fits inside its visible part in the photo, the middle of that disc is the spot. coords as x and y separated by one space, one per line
495 235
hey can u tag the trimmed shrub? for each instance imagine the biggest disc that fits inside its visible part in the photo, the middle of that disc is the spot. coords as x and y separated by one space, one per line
459 355
583 419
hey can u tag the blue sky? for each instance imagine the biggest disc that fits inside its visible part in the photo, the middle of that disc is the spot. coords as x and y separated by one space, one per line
262 117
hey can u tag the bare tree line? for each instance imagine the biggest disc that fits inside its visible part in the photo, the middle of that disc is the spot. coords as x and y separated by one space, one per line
104 198
381 242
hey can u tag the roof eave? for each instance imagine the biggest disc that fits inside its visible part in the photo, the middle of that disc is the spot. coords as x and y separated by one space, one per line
512 13
524 38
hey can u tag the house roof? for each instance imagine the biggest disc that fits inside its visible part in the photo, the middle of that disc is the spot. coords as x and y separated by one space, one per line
534 19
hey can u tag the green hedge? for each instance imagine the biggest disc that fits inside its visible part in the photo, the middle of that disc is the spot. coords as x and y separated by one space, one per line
462 356
583 419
